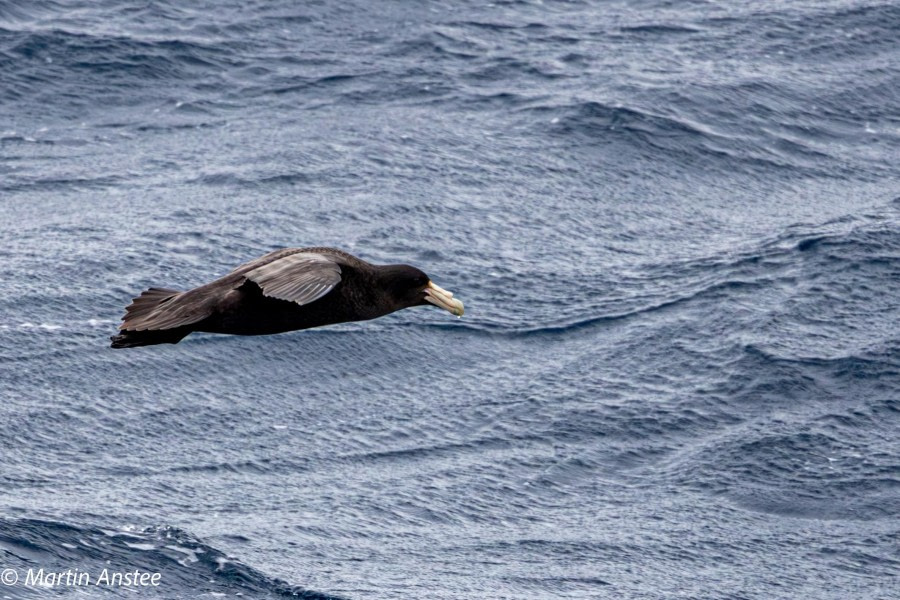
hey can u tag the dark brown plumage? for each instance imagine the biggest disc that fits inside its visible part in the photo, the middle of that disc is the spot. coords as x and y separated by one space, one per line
285 290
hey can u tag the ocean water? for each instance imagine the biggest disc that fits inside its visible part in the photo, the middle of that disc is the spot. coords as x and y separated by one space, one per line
675 225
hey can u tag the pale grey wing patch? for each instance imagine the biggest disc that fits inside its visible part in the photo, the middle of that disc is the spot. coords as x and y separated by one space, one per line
262 260
302 277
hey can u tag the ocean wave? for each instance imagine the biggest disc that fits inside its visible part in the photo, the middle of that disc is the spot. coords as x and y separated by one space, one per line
188 567
688 139
119 55
857 249
660 29
808 473
61 70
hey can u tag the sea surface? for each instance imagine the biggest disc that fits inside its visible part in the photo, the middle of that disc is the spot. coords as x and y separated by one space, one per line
675 226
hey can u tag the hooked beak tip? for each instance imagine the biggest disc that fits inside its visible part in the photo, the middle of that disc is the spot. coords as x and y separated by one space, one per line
443 299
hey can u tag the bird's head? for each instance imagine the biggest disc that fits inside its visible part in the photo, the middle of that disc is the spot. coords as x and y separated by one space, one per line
408 286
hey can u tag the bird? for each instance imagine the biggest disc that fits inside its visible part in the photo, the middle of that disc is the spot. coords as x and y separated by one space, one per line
284 290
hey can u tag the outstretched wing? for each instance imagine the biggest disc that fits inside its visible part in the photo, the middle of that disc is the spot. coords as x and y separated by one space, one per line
159 308
302 277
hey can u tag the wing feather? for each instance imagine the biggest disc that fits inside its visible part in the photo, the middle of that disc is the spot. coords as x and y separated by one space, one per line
302 277
159 308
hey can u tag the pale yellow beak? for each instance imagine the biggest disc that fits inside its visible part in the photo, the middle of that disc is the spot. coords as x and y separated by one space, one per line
444 299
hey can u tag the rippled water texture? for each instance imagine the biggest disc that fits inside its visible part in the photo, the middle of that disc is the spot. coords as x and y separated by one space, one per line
675 225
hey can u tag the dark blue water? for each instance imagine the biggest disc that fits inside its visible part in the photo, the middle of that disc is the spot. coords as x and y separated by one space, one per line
675 225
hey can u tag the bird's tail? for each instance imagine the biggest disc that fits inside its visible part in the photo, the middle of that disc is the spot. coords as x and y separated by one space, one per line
132 339
143 326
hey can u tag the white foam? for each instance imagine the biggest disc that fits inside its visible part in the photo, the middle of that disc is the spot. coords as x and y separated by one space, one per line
190 554
45 326
140 546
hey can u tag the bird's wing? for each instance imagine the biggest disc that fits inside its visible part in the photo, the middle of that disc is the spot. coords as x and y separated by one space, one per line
159 308
302 277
